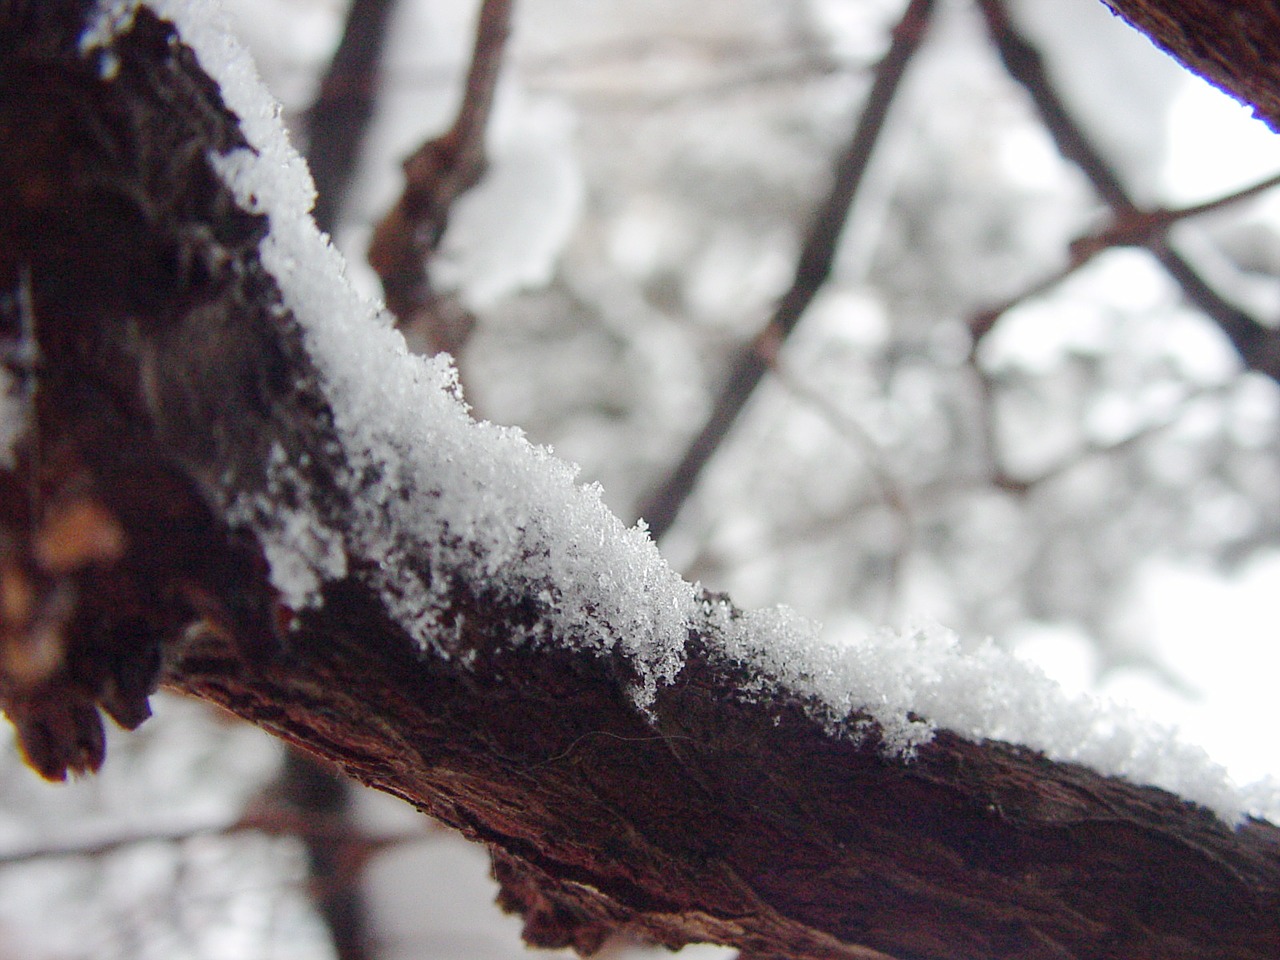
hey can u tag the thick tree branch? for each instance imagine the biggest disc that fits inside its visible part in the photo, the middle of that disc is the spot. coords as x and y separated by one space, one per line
1235 45
169 369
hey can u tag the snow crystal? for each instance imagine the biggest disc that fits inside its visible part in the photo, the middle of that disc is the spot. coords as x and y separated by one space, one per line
300 552
16 387
494 509
915 681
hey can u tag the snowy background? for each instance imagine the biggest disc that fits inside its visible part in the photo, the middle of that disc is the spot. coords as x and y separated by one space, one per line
653 168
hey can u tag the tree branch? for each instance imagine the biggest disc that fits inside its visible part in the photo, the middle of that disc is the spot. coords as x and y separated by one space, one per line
1132 227
436 175
344 839
336 123
661 507
170 371
1258 346
317 790
1235 46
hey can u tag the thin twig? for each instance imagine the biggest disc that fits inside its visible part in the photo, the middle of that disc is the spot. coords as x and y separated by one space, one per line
1257 345
1003 480
605 66
268 820
891 490
745 78
1142 228
436 175
1132 228
661 507
983 322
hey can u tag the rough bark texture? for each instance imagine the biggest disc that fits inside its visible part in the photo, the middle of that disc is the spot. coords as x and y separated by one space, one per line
151 353
1235 45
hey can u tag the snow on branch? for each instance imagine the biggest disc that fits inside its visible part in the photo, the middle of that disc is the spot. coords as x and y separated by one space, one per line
226 473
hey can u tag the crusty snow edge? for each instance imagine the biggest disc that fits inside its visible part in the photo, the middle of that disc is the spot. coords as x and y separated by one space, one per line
538 530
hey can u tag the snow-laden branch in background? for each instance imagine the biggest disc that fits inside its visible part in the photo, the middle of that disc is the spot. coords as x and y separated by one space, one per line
492 508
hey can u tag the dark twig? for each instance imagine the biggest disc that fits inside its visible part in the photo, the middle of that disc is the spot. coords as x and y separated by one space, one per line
436 174
316 789
983 322
1145 227
492 29
890 490
1021 486
745 75
1133 227
272 820
662 506
336 123
1257 345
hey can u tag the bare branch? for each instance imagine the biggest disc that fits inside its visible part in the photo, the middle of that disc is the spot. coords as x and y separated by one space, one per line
337 121
1257 345
1132 227
1024 485
436 174
318 790
1147 228
889 489
269 820
723 812
660 508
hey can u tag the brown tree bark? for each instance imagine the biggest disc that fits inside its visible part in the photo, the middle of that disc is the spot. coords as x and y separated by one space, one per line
1235 45
153 363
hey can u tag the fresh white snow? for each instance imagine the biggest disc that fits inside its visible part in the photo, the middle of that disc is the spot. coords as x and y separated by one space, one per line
489 505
